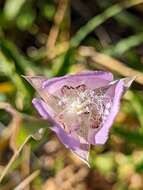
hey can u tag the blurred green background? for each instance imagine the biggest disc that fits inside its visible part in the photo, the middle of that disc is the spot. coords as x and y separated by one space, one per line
53 38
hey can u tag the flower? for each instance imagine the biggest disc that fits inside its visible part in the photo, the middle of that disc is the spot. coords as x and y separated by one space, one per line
81 107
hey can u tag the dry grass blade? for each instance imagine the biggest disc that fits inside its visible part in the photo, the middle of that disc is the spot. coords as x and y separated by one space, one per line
111 64
14 124
13 158
62 6
25 165
7 107
27 181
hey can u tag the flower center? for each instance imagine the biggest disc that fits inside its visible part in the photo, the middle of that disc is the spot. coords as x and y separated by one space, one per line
83 108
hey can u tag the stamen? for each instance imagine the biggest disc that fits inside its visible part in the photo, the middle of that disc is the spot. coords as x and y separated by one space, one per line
84 107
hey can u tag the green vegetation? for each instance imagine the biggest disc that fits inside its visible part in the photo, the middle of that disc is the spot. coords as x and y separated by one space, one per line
53 38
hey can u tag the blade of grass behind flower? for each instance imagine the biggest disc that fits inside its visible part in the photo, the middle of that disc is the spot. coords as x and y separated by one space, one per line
125 18
124 45
68 59
129 19
99 19
7 67
88 28
22 63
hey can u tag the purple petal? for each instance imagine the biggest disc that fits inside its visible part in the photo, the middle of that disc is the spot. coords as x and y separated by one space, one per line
92 79
81 150
83 154
36 81
67 139
127 82
102 135
43 109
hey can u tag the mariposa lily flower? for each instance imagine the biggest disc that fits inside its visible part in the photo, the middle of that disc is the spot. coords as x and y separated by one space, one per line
81 107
